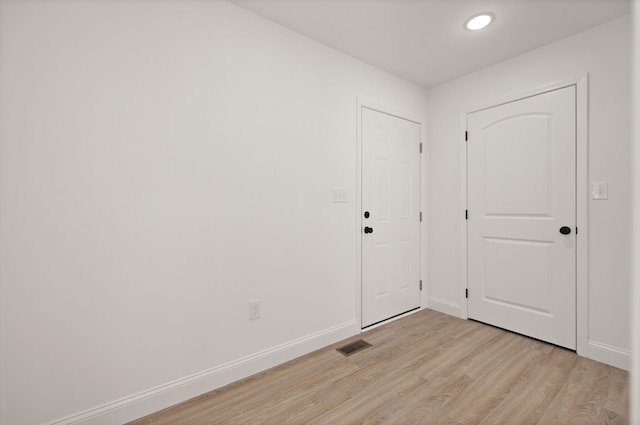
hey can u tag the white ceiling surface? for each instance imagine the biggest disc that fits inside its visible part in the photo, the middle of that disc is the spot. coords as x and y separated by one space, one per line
424 41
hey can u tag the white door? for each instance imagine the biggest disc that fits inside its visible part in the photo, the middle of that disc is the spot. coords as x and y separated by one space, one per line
390 216
521 159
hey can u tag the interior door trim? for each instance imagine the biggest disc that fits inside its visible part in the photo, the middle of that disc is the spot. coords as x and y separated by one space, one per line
582 200
415 117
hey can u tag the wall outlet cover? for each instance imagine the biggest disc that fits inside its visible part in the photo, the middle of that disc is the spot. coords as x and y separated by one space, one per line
254 309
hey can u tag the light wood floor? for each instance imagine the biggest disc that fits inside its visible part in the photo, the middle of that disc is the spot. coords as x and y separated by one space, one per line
427 368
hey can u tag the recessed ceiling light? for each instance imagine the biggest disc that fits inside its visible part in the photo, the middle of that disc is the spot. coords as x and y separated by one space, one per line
478 22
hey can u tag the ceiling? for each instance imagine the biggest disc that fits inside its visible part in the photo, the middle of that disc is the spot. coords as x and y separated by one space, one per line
424 41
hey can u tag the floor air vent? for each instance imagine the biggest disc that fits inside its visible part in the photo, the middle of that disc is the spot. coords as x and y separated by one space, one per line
354 347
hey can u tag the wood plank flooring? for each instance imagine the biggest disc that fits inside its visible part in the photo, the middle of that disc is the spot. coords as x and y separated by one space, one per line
427 368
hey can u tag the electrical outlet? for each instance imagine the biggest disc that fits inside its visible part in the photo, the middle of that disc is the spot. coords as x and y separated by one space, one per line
254 309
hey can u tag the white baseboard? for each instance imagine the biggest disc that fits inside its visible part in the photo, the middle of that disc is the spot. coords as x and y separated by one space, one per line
444 306
163 396
608 354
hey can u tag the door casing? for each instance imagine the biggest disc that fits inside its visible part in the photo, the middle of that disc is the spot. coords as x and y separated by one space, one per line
582 199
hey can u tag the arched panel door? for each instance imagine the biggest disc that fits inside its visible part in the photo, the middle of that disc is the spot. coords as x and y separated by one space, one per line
521 159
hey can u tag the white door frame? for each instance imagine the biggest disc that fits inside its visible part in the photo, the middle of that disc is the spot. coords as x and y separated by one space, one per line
363 103
582 200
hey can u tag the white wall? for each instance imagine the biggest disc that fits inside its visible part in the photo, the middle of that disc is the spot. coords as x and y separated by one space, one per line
635 215
604 53
163 163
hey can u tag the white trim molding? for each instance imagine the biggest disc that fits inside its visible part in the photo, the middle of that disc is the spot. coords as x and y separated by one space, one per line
582 198
444 306
163 396
610 355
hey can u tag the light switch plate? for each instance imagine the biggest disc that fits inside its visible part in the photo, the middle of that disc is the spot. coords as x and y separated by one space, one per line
338 196
599 191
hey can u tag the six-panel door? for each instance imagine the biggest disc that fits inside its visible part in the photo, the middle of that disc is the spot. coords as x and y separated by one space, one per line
391 200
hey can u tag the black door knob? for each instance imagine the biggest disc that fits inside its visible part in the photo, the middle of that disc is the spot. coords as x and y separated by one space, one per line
565 230
366 214
368 230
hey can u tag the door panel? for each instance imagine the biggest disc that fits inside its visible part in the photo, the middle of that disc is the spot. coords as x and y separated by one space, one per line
391 194
526 287
526 191
521 189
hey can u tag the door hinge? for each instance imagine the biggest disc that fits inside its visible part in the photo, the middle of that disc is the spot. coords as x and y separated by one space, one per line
466 214
466 293
576 230
420 215
466 136
421 285
420 147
